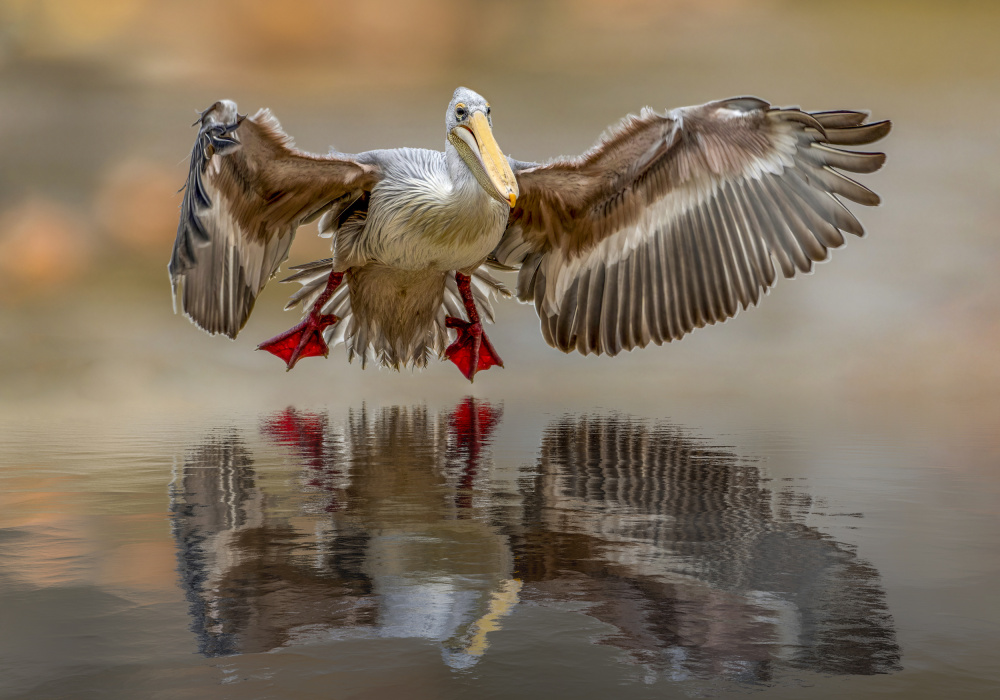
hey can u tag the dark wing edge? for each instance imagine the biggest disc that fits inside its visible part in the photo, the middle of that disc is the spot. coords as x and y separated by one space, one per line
248 190
676 221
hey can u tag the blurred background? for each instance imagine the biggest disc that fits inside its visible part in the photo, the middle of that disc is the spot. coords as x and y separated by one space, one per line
97 98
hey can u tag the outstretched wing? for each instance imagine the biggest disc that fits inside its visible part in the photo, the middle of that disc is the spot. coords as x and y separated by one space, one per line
248 190
674 221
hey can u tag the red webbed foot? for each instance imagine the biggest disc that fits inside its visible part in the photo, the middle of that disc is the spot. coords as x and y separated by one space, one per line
472 351
304 340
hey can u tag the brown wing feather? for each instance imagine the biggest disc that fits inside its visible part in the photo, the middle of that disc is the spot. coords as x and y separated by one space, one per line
681 217
248 190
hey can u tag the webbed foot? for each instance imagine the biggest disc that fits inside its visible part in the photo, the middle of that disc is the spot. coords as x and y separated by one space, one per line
304 340
472 351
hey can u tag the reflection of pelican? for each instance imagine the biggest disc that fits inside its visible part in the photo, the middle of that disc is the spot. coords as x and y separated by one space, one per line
386 563
681 546
213 501
401 526
672 222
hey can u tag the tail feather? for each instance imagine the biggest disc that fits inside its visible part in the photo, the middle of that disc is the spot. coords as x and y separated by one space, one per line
392 335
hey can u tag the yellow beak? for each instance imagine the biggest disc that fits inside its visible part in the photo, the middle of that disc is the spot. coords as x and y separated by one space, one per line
477 138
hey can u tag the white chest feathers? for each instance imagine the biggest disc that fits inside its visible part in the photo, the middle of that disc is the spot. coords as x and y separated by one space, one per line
421 217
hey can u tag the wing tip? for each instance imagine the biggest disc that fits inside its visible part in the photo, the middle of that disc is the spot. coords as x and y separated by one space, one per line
221 112
203 314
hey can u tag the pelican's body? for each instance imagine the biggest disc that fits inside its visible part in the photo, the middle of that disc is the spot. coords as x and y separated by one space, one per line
427 217
673 221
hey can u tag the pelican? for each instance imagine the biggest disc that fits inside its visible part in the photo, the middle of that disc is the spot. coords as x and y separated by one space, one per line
671 222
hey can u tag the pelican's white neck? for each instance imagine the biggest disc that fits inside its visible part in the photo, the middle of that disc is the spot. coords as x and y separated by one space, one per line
458 170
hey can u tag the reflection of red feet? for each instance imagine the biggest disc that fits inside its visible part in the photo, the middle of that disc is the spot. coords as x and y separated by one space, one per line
305 340
472 351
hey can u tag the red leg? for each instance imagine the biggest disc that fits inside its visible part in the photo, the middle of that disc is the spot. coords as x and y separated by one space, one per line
306 339
472 351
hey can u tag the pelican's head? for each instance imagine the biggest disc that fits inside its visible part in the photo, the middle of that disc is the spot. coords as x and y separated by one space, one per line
470 131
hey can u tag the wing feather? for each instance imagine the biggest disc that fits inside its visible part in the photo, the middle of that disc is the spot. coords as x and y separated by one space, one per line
840 118
857 135
656 295
625 277
676 221
609 320
736 261
564 322
580 319
640 296
802 240
247 192
594 305
673 271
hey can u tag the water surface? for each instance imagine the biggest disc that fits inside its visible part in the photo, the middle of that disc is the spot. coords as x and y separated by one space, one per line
494 549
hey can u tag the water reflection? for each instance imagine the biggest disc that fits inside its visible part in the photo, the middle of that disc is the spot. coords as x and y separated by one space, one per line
697 562
397 522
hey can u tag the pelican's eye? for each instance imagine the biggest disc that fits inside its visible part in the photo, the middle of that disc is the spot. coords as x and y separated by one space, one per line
461 112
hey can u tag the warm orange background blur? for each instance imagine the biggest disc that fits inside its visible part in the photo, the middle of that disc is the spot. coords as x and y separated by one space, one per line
96 99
